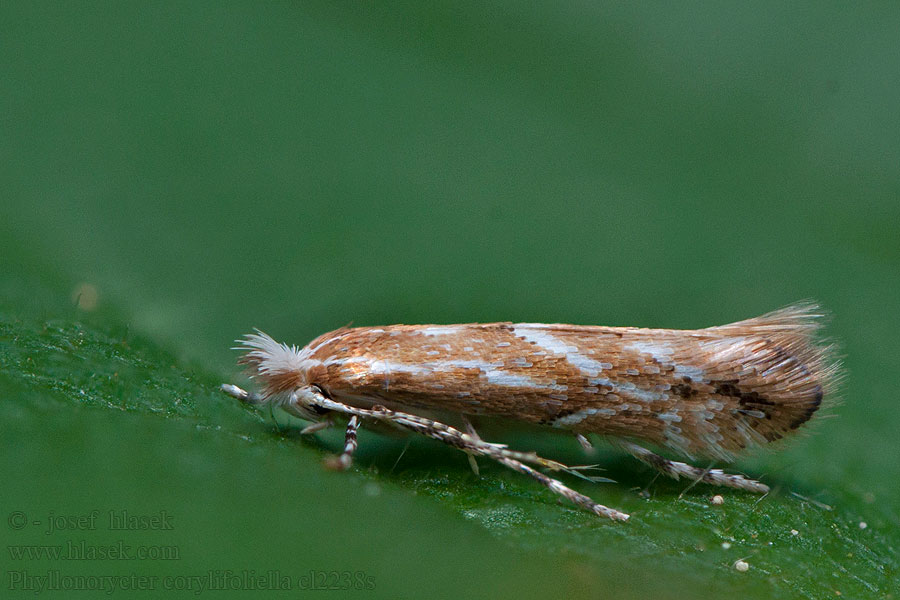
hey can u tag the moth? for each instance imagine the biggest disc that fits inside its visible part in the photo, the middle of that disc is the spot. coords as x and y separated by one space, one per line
704 393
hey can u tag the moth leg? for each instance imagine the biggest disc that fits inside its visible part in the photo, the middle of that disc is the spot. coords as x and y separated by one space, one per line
317 426
470 429
475 446
242 395
343 461
509 458
675 470
567 493
585 443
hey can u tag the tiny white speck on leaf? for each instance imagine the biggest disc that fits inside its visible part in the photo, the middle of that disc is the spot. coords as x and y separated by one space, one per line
794 532
741 566
85 296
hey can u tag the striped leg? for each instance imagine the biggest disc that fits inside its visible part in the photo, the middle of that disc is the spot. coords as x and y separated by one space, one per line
675 469
343 461
469 443
475 446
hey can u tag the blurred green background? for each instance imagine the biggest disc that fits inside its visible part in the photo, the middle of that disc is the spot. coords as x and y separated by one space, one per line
172 175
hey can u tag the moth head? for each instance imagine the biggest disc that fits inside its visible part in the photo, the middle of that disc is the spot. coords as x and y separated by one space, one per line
281 370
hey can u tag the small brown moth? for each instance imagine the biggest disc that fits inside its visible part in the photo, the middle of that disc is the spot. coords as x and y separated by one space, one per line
708 393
